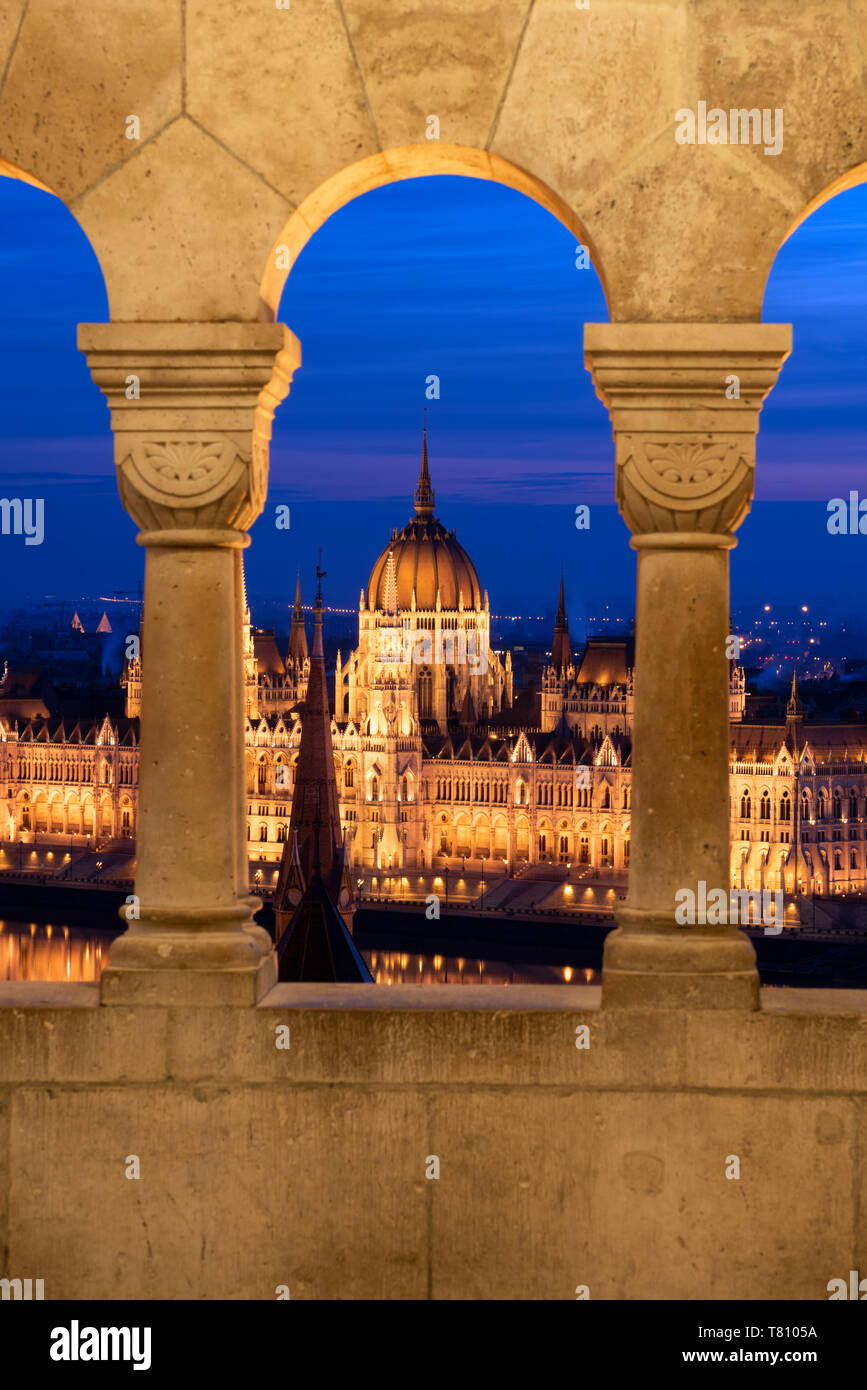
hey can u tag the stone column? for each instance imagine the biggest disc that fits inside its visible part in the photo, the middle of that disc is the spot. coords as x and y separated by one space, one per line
191 410
684 401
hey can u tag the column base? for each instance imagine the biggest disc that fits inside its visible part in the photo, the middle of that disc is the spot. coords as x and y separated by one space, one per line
163 960
649 962
205 988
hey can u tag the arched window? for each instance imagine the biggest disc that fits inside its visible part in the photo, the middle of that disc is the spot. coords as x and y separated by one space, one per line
262 773
281 833
785 807
805 806
584 850
404 790
765 806
263 832
746 806
838 859
838 806
853 804
821 807
606 799
374 788
853 859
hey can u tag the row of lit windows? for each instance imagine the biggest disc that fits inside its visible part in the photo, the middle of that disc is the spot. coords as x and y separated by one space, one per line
785 807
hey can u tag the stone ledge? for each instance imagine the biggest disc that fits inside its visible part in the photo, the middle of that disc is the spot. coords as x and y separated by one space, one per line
49 994
461 1036
435 998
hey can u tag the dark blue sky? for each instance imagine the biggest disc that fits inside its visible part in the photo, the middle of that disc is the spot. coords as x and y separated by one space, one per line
475 284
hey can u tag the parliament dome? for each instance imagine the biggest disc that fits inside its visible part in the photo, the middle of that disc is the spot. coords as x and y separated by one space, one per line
427 558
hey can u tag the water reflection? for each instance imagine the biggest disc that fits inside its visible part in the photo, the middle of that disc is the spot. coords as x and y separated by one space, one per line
403 968
42 951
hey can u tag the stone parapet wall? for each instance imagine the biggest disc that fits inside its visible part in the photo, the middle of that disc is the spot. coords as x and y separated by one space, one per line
305 1166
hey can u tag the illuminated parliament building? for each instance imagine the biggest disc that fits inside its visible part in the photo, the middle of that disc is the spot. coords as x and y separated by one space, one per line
439 762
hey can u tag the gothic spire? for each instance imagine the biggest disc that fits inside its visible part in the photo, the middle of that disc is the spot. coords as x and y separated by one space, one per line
298 633
424 493
794 709
315 819
561 607
561 647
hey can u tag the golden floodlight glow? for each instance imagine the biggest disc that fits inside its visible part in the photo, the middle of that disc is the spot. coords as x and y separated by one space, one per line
567 973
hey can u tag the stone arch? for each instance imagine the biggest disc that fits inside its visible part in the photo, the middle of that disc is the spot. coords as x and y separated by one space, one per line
392 166
851 178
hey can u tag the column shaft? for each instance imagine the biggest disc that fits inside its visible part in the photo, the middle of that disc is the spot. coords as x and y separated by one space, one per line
191 413
684 401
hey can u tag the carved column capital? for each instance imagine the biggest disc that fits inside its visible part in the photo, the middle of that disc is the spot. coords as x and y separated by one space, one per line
191 411
684 401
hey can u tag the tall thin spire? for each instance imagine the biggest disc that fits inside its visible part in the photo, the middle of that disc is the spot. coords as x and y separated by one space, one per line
314 825
561 607
424 493
561 647
317 627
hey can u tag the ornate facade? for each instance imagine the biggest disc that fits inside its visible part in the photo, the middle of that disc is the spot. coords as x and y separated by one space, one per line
433 767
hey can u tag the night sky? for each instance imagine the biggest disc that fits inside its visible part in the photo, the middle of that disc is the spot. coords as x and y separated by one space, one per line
478 285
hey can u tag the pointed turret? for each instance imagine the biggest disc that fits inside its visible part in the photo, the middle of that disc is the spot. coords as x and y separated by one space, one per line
77 625
104 624
794 709
315 840
298 634
561 648
424 493
390 596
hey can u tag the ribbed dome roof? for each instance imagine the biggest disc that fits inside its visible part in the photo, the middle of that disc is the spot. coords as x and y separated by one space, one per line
427 557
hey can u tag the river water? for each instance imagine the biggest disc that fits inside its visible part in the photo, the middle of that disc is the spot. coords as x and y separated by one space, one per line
45 951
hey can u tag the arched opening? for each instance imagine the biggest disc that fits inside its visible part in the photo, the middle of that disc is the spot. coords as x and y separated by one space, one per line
50 282
392 166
